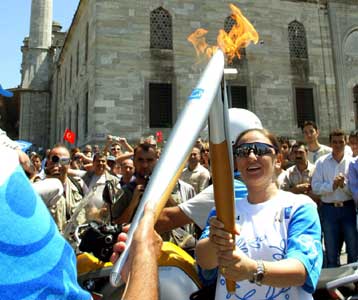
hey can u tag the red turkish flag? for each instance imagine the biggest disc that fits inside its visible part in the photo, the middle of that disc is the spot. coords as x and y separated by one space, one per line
159 136
69 136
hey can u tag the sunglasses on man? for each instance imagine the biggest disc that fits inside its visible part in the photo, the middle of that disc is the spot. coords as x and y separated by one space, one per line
259 149
62 161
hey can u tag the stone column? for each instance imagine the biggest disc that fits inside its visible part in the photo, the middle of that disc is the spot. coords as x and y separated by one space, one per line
35 95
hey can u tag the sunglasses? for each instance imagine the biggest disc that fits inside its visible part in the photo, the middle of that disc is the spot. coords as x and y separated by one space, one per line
62 161
259 149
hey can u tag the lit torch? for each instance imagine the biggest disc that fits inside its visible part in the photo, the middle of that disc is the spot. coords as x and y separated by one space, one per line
188 127
241 35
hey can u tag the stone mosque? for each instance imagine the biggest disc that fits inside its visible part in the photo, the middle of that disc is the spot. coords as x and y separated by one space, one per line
125 68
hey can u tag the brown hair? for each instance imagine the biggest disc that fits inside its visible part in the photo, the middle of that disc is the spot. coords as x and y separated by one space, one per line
145 147
337 132
310 123
99 155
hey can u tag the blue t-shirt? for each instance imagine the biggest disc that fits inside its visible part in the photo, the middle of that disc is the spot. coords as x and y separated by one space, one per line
36 261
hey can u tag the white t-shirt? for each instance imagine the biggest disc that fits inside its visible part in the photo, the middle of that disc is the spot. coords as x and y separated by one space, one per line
199 207
97 184
313 156
286 226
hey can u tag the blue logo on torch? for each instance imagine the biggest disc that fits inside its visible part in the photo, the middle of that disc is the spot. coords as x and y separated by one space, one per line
196 94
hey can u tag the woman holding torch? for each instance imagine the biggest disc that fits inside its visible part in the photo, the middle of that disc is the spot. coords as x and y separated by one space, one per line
278 252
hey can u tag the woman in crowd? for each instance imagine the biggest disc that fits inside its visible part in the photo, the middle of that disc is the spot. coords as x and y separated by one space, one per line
277 253
205 155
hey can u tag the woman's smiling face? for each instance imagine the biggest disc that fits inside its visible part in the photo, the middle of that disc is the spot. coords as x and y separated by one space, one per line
255 169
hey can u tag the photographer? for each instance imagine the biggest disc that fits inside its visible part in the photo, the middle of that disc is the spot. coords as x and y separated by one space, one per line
57 167
114 146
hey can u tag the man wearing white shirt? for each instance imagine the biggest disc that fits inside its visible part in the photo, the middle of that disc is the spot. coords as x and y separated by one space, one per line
315 149
338 210
195 174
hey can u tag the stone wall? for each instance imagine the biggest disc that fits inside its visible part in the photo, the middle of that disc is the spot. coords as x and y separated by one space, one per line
121 65
344 26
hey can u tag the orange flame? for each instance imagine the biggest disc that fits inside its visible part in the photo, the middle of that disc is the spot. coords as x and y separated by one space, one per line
240 36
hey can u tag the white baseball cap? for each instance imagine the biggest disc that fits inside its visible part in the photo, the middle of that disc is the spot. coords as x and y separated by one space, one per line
240 120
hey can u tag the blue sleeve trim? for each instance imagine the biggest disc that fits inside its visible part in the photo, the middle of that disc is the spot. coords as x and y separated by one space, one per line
304 243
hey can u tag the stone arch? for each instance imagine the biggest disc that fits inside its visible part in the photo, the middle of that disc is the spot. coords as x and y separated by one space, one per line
161 32
350 60
350 46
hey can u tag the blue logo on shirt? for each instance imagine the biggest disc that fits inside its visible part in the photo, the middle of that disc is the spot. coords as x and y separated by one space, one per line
196 94
288 212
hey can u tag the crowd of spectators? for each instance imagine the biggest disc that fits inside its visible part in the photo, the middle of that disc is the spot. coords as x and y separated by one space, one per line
65 176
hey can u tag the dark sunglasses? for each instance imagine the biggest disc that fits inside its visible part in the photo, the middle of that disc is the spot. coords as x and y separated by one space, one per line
62 161
259 149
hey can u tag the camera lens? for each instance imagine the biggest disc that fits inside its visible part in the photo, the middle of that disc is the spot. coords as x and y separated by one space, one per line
108 239
55 159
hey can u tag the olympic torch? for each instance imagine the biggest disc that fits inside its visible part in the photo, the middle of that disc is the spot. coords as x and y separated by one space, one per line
177 149
222 166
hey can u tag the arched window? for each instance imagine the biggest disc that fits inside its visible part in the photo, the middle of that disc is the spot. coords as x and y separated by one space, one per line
297 40
228 24
161 29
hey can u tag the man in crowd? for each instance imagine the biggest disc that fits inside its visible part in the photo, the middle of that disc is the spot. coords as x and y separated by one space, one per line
298 177
315 149
338 210
87 151
37 163
195 174
57 167
127 171
353 142
115 146
145 159
114 167
95 181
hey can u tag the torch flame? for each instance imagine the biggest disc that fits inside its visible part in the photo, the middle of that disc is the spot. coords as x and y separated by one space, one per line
240 36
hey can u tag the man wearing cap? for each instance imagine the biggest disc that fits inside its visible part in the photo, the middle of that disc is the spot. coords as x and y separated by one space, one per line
114 167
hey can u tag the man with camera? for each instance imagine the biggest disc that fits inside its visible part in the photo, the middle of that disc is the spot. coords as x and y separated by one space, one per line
115 146
57 167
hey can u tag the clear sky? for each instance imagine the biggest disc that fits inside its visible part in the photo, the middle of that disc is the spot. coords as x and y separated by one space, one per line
15 26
